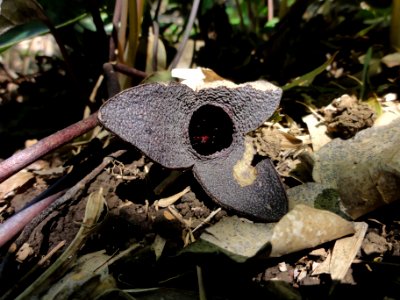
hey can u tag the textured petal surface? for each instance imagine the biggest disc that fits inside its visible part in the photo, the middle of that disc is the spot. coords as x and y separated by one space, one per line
158 118
251 103
154 118
264 199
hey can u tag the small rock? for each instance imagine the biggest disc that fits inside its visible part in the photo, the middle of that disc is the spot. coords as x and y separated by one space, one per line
374 244
310 281
396 248
282 267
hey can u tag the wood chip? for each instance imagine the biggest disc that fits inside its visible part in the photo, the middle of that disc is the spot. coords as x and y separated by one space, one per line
10 186
345 250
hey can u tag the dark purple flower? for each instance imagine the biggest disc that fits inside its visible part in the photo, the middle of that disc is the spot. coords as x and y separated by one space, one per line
205 130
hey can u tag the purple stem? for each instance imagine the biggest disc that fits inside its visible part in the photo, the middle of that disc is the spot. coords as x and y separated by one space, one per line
114 34
186 34
27 156
129 71
17 222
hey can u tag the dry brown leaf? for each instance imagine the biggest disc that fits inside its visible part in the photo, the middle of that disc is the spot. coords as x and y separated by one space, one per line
10 186
306 227
303 227
239 237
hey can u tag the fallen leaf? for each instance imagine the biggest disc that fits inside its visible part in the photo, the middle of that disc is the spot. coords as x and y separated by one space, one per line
238 238
306 227
10 186
303 227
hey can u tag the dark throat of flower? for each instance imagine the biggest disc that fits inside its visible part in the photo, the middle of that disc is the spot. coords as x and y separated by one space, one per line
210 130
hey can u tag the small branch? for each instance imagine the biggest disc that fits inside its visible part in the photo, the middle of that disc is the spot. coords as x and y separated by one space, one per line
129 71
93 210
189 26
27 156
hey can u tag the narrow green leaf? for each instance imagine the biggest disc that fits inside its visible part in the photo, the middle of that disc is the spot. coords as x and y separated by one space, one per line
308 78
364 77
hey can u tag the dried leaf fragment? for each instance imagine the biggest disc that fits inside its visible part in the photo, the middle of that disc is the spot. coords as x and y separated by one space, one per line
306 227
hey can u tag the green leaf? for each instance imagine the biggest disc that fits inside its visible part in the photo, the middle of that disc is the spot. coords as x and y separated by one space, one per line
272 23
308 78
20 33
365 78
20 19
30 30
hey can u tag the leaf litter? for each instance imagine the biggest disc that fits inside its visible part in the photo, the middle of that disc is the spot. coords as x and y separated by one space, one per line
334 195
302 229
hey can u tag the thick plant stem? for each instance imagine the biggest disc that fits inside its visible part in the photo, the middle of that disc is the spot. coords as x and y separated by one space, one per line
395 25
17 222
27 156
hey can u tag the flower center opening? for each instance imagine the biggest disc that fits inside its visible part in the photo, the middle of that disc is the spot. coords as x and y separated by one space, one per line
210 130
